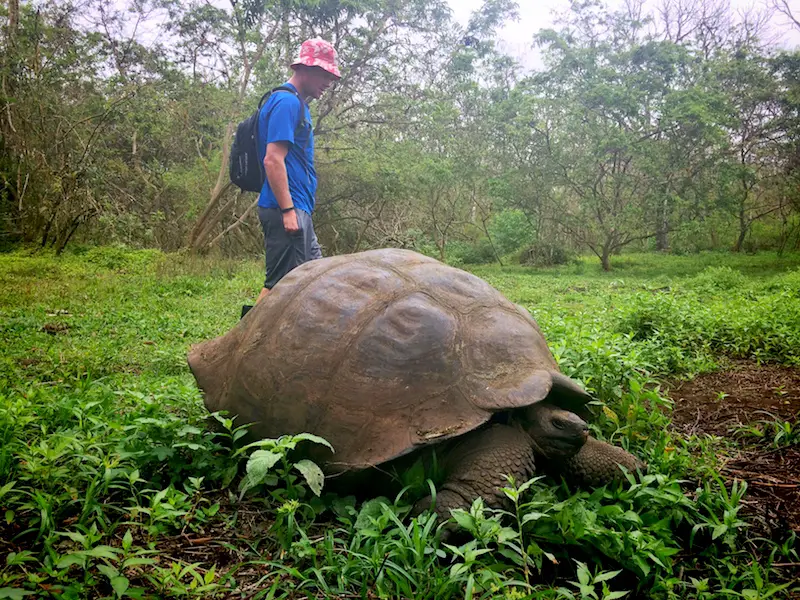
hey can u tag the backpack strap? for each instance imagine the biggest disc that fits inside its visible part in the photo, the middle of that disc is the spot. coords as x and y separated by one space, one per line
280 88
284 88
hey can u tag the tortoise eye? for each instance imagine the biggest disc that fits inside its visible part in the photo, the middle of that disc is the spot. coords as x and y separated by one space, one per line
558 424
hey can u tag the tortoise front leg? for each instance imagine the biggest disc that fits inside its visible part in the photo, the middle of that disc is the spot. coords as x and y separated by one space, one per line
477 466
596 464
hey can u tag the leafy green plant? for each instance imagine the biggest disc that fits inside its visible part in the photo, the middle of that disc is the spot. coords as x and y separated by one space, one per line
270 464
779 433
510 230
714 279
110 465
588 583
713 498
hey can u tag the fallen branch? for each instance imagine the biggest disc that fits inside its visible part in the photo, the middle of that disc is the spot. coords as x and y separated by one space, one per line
203 540
746 474
778 485
236 223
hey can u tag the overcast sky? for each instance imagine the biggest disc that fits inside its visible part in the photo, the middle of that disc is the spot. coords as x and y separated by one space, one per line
537 14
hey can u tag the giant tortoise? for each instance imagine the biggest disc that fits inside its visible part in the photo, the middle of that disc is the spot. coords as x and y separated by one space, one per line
388 351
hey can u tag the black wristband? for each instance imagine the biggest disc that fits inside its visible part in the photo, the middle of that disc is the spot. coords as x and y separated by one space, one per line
285 210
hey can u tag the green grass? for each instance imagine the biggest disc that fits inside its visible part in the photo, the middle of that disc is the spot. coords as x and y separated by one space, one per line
109 471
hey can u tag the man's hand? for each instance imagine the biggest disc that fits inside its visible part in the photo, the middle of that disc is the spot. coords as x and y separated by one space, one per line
290 223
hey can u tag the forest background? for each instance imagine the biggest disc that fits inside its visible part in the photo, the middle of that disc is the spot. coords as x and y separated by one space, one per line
667 125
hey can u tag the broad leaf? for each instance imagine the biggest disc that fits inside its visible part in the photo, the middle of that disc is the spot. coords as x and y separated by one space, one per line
13 593
312 438
260 462
120 585
312 474
258 467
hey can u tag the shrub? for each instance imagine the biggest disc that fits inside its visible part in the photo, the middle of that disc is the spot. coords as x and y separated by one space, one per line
478 253
789 283
717 279
118 258
544 254
510 230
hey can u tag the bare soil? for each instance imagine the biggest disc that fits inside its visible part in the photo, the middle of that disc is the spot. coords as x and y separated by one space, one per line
726 404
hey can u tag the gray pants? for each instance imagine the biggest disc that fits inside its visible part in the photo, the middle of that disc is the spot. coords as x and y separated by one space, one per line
285 251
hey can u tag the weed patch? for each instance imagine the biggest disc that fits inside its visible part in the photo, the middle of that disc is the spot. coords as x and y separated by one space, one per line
114 484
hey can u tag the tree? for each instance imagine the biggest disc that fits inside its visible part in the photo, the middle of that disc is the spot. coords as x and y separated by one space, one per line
754 136
52 127
786 74
597 119
375 42
642 127
782 6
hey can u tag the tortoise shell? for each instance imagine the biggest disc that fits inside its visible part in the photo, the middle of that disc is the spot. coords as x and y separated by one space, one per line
380 353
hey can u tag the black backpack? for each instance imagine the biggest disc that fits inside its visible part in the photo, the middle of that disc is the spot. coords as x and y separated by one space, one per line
245 167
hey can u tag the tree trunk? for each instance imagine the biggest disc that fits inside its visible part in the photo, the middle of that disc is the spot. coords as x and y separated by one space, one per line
494 250
46 232
236 223
786 233
203 228
605 256
13 22
211 221
77 222
200 231
743 227
662 226
7 63
662 240
740 240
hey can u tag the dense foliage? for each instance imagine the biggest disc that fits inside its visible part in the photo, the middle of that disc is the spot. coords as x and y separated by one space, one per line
113 485
669 125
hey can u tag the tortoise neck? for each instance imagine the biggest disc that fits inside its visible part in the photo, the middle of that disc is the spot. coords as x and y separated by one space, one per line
537 449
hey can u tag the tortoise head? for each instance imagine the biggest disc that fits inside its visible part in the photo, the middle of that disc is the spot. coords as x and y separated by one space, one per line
550 407
556 432
556 424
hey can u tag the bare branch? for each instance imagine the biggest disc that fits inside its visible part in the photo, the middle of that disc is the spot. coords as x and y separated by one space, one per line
782 6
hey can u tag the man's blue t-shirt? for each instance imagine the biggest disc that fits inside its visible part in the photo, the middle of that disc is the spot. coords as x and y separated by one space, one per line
283 110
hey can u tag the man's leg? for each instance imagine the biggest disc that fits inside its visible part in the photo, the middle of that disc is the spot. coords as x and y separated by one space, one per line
265 217
280 254
283 251
311 247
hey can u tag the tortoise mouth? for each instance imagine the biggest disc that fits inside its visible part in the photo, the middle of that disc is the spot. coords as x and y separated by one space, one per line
564 444
569 444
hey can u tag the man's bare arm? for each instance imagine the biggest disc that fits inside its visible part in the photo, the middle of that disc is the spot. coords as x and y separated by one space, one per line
275 167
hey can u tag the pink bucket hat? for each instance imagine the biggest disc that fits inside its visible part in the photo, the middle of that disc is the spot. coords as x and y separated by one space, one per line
317 52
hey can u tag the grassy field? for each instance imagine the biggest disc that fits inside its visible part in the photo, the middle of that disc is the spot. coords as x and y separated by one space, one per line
112 486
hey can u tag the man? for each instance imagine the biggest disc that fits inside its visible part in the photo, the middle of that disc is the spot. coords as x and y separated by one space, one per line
287 197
